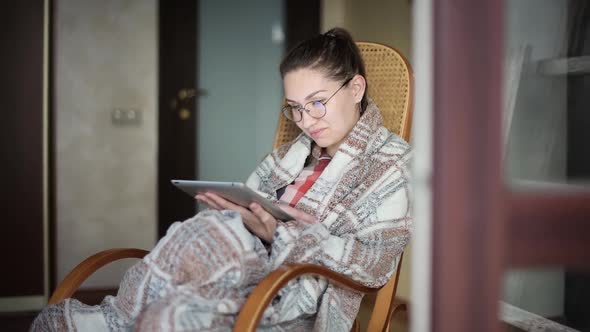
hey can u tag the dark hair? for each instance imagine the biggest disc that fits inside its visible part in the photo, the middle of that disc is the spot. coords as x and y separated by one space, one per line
334 52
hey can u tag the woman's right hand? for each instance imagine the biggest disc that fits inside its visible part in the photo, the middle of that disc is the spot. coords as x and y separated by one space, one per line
215 204
255 218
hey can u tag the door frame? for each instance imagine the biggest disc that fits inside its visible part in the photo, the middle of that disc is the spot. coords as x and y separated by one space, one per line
27 194
480 225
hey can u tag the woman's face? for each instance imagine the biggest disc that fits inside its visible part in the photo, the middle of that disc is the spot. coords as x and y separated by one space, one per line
342 110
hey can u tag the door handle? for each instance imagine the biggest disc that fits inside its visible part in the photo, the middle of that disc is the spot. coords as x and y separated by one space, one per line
184 114
184 96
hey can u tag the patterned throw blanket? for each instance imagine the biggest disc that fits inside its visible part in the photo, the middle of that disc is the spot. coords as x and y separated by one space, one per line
200 273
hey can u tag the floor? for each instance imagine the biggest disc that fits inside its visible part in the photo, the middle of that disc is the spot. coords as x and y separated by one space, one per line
17 322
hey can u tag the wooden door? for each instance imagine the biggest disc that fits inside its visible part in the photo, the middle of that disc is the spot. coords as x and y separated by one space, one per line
177 109
179 90
24 132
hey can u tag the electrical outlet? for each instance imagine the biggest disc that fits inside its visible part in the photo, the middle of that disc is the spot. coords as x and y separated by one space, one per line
126 116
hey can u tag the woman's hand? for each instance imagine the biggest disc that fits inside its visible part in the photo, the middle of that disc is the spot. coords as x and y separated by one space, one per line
256 219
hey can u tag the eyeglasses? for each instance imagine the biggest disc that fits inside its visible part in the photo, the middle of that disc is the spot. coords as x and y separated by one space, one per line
316 109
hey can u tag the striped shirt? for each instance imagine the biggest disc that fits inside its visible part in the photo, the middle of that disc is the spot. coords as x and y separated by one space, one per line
292 193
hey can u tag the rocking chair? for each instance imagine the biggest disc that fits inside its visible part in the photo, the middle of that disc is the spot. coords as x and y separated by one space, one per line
390 82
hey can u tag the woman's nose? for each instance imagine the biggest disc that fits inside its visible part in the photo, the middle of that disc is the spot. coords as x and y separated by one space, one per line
307 121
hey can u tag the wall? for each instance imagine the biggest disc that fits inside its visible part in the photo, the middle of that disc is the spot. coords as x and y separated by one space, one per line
384 21
106 57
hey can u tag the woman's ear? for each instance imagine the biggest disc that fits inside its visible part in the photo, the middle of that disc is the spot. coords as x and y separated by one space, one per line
358 85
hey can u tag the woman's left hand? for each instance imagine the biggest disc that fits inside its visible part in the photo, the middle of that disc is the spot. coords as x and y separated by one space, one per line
256 219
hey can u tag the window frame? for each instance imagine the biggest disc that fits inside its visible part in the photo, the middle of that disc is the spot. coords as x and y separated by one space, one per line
480 225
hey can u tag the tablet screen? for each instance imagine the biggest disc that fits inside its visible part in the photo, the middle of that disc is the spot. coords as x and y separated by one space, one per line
235 192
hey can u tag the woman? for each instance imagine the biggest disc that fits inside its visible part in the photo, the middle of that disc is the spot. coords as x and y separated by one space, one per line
344 179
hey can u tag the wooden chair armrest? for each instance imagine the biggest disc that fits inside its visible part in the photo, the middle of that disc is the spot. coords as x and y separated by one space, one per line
81 272
252 310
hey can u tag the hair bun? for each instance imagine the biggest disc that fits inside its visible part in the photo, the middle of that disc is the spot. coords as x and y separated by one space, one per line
339 33
333 52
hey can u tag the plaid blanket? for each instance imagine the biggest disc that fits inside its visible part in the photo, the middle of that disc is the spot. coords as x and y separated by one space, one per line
200 273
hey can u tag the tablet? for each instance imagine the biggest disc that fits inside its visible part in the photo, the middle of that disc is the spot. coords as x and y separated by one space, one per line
235 192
